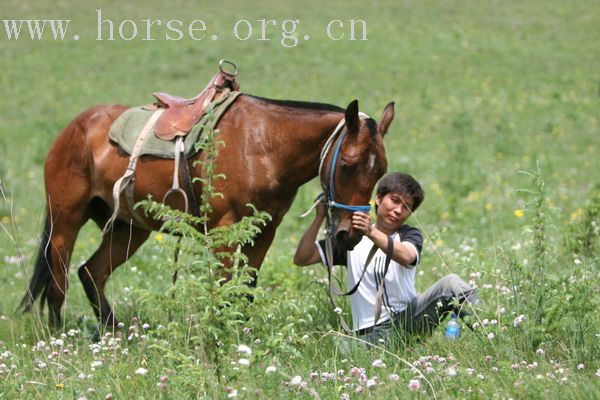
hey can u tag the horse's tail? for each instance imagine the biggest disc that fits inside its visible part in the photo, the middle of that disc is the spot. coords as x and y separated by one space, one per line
42 273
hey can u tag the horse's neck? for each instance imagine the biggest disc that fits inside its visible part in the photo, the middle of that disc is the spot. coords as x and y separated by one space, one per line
306 137
282 141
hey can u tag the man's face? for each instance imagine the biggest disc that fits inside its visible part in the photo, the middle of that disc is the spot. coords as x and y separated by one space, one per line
393 210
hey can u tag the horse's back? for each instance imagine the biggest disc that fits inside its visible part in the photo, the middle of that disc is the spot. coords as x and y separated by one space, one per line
90 124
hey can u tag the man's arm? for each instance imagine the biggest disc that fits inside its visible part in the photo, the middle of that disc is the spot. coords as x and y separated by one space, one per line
404 253
307 252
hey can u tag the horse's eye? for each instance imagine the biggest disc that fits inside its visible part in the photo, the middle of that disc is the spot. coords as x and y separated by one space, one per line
346 162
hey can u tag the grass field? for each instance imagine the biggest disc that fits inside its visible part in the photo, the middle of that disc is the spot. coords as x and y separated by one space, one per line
484 91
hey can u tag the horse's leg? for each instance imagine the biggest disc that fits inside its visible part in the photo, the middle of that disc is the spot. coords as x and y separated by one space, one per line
256 253
63 233
117 246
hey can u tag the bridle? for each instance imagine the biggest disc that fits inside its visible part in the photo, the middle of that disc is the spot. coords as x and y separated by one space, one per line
327 197
337 137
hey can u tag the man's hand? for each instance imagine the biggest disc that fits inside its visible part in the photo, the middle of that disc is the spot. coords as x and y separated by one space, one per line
321 207
361 221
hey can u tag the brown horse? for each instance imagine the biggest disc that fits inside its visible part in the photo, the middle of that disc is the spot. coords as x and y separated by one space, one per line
272 147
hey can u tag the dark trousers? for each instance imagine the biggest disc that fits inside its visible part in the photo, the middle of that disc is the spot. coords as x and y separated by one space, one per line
425 312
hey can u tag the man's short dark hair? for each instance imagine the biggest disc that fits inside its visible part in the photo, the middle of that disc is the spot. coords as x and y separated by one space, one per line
405 184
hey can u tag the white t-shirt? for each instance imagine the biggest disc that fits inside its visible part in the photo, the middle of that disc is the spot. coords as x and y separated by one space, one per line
399 289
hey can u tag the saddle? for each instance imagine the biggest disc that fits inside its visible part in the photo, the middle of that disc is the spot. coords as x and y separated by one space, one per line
180 114
171 117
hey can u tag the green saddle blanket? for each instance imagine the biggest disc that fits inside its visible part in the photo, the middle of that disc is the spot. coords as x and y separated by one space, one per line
126 129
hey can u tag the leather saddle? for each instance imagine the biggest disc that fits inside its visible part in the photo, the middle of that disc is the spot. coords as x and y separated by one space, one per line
182 114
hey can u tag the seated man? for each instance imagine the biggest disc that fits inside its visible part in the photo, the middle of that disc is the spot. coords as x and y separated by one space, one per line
398 196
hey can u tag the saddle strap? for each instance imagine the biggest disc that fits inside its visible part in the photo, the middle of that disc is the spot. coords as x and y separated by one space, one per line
189 186
179 152
128 177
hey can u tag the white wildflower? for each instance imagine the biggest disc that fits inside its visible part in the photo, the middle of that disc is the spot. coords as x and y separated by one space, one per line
540 352
242 348
270 369
296 381
519 320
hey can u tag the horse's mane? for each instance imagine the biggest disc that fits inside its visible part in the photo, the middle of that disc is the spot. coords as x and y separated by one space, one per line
307 105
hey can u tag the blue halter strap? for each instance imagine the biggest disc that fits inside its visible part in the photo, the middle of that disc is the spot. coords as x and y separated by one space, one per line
331 190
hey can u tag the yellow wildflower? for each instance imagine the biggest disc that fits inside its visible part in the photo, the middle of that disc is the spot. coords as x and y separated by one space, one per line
159 237
576 215
519 213
60 386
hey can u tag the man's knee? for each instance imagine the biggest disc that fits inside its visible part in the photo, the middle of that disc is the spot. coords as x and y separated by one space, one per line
457 285
453 277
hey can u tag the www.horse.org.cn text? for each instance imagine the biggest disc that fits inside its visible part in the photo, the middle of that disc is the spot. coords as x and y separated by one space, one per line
286 32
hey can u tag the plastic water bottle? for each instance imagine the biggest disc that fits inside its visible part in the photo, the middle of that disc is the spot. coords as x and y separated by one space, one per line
453 328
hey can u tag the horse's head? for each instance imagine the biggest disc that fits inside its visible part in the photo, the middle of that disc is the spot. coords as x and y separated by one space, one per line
352 163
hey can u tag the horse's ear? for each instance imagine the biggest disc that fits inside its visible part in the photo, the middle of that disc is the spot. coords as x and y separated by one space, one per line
352 120
386 120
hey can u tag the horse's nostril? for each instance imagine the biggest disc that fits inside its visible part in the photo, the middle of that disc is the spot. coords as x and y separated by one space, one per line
341 236
346 241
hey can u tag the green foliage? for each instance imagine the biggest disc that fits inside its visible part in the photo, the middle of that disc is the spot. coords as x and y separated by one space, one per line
584 232
538 206
557 294
215 283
